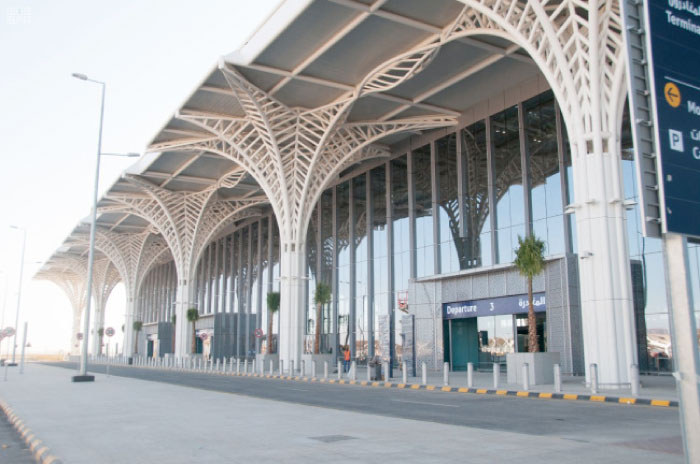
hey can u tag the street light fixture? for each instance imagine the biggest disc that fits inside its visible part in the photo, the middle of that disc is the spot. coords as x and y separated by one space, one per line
83 375
19 294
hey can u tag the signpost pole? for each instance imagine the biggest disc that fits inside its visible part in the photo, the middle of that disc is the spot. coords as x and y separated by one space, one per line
684 340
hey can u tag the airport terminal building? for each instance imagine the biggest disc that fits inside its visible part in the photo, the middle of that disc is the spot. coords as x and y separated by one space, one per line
393 150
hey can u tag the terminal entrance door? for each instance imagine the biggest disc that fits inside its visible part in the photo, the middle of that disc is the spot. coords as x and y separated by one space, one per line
464 343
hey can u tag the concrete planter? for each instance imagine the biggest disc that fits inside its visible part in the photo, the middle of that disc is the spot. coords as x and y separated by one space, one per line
540 367
320 358
264 360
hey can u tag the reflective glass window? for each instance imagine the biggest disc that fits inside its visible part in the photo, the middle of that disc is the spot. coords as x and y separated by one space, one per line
452 245
508 183
545 179
343 257
359 194
380 253
423 211
477 213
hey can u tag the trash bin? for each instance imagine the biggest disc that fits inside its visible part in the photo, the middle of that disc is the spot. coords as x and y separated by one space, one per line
375 370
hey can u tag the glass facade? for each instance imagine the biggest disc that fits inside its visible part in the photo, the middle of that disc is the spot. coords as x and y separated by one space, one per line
426 211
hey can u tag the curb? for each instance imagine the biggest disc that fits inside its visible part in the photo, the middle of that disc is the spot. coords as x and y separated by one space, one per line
479 391
42 453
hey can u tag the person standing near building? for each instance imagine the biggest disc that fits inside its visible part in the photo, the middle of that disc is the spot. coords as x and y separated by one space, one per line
346 359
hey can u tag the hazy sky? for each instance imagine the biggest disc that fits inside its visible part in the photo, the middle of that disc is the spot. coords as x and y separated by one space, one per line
151 55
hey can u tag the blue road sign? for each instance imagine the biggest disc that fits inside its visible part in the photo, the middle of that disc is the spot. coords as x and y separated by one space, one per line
674 44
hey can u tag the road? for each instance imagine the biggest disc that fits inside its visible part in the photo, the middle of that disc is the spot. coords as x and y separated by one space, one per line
644 427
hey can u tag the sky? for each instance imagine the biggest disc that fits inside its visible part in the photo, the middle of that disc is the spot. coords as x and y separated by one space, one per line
151 55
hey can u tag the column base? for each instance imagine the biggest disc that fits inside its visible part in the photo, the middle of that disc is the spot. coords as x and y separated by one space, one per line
83 378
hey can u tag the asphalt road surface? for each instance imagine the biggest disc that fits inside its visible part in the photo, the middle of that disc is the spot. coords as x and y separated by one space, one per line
644 427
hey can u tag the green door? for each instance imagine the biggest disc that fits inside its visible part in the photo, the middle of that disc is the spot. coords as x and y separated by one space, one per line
464 343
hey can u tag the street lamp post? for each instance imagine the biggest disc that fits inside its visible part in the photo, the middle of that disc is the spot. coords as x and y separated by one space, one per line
19 294
83 375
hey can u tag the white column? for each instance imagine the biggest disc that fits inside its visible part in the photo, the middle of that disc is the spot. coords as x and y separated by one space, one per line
604 266
128 344
75 350
292 300
183 329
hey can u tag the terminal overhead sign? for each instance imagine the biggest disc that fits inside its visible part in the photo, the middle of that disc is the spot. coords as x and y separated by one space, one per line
517 304
674 49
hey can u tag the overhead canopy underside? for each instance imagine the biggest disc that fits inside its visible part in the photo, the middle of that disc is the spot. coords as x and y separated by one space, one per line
309 54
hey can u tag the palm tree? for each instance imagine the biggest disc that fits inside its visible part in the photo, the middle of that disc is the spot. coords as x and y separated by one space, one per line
529 260
322 296
137 328
193 316
101 333
273 305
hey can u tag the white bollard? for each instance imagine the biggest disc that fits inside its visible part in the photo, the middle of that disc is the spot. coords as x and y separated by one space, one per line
252 367
325 369
340 370
470 375
272 367
445 374
353 370
634 380
291 367
245 366
424 373
313 369
404 373
594 378
281 367
199 364
369 372
303 368
211 365
557 378
217 365
526 376
386 371
496 375
238 366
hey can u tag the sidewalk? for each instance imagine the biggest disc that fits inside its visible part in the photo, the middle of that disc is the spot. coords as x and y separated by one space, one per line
123 420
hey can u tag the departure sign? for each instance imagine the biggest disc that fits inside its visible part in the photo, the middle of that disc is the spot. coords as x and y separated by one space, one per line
674 44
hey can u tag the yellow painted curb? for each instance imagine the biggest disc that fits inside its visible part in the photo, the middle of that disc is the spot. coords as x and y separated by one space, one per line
446 389
430 387
481 391
627 400
463 390
545 395
598 398
522 394
502 392
664 403
569 396
415 387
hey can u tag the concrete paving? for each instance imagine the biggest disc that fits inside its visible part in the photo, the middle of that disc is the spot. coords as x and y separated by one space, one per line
124 420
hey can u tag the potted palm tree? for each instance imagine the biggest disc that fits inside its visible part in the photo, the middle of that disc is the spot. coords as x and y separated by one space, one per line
101 333
315 353
193 316
138 325
273 305
322 296
529 261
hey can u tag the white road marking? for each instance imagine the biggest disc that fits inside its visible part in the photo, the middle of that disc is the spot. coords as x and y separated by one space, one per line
428 403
